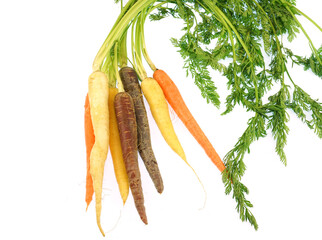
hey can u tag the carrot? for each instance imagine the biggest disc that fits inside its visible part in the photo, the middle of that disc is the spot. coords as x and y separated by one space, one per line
176 101
160 112
126 120
98 99
116 150
89 142
131 85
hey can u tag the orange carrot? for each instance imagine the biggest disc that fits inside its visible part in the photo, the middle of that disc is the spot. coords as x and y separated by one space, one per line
89 142
176 101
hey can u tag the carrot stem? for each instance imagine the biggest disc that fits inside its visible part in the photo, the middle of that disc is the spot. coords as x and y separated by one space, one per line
119 29
123 50
117 75
303 14
144 51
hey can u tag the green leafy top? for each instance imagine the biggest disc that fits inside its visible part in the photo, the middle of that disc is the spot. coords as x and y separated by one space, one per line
232 37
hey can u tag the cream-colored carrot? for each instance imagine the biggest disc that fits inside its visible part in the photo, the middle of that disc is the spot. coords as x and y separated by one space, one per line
116 149
98 99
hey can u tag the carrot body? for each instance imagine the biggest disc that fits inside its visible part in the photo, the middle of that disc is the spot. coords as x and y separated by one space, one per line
176 101
131 85
98 99
126 120
116 149
89 142
160 112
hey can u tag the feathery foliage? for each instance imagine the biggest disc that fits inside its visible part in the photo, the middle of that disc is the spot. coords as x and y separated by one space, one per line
232 37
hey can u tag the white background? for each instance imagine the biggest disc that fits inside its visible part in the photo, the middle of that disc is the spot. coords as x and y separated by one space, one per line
46 53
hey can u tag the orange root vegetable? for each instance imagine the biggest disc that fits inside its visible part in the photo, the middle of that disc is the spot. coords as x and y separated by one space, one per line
126 120
176 101
116 149
89 142
131 85
98 99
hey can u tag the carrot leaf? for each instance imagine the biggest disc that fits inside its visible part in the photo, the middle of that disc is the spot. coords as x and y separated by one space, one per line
242 39
311 63
307 109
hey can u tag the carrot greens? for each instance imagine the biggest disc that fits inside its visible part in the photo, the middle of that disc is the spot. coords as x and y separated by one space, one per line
242 33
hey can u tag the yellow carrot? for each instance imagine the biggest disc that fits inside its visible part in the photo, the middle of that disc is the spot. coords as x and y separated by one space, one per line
160 112
98 99
116 149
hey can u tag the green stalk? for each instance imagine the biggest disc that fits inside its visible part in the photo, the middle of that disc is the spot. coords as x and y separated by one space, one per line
105 65
246 50
304 15
222 20
225 21
146 55
270 22
275 36
306 35
123 50
108 69
144 51
116 70
138 49
119 29
134 64
236 32
113 74
123 11
215 9
289 76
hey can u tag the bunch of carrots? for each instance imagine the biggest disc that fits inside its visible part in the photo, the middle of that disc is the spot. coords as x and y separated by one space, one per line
116 118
